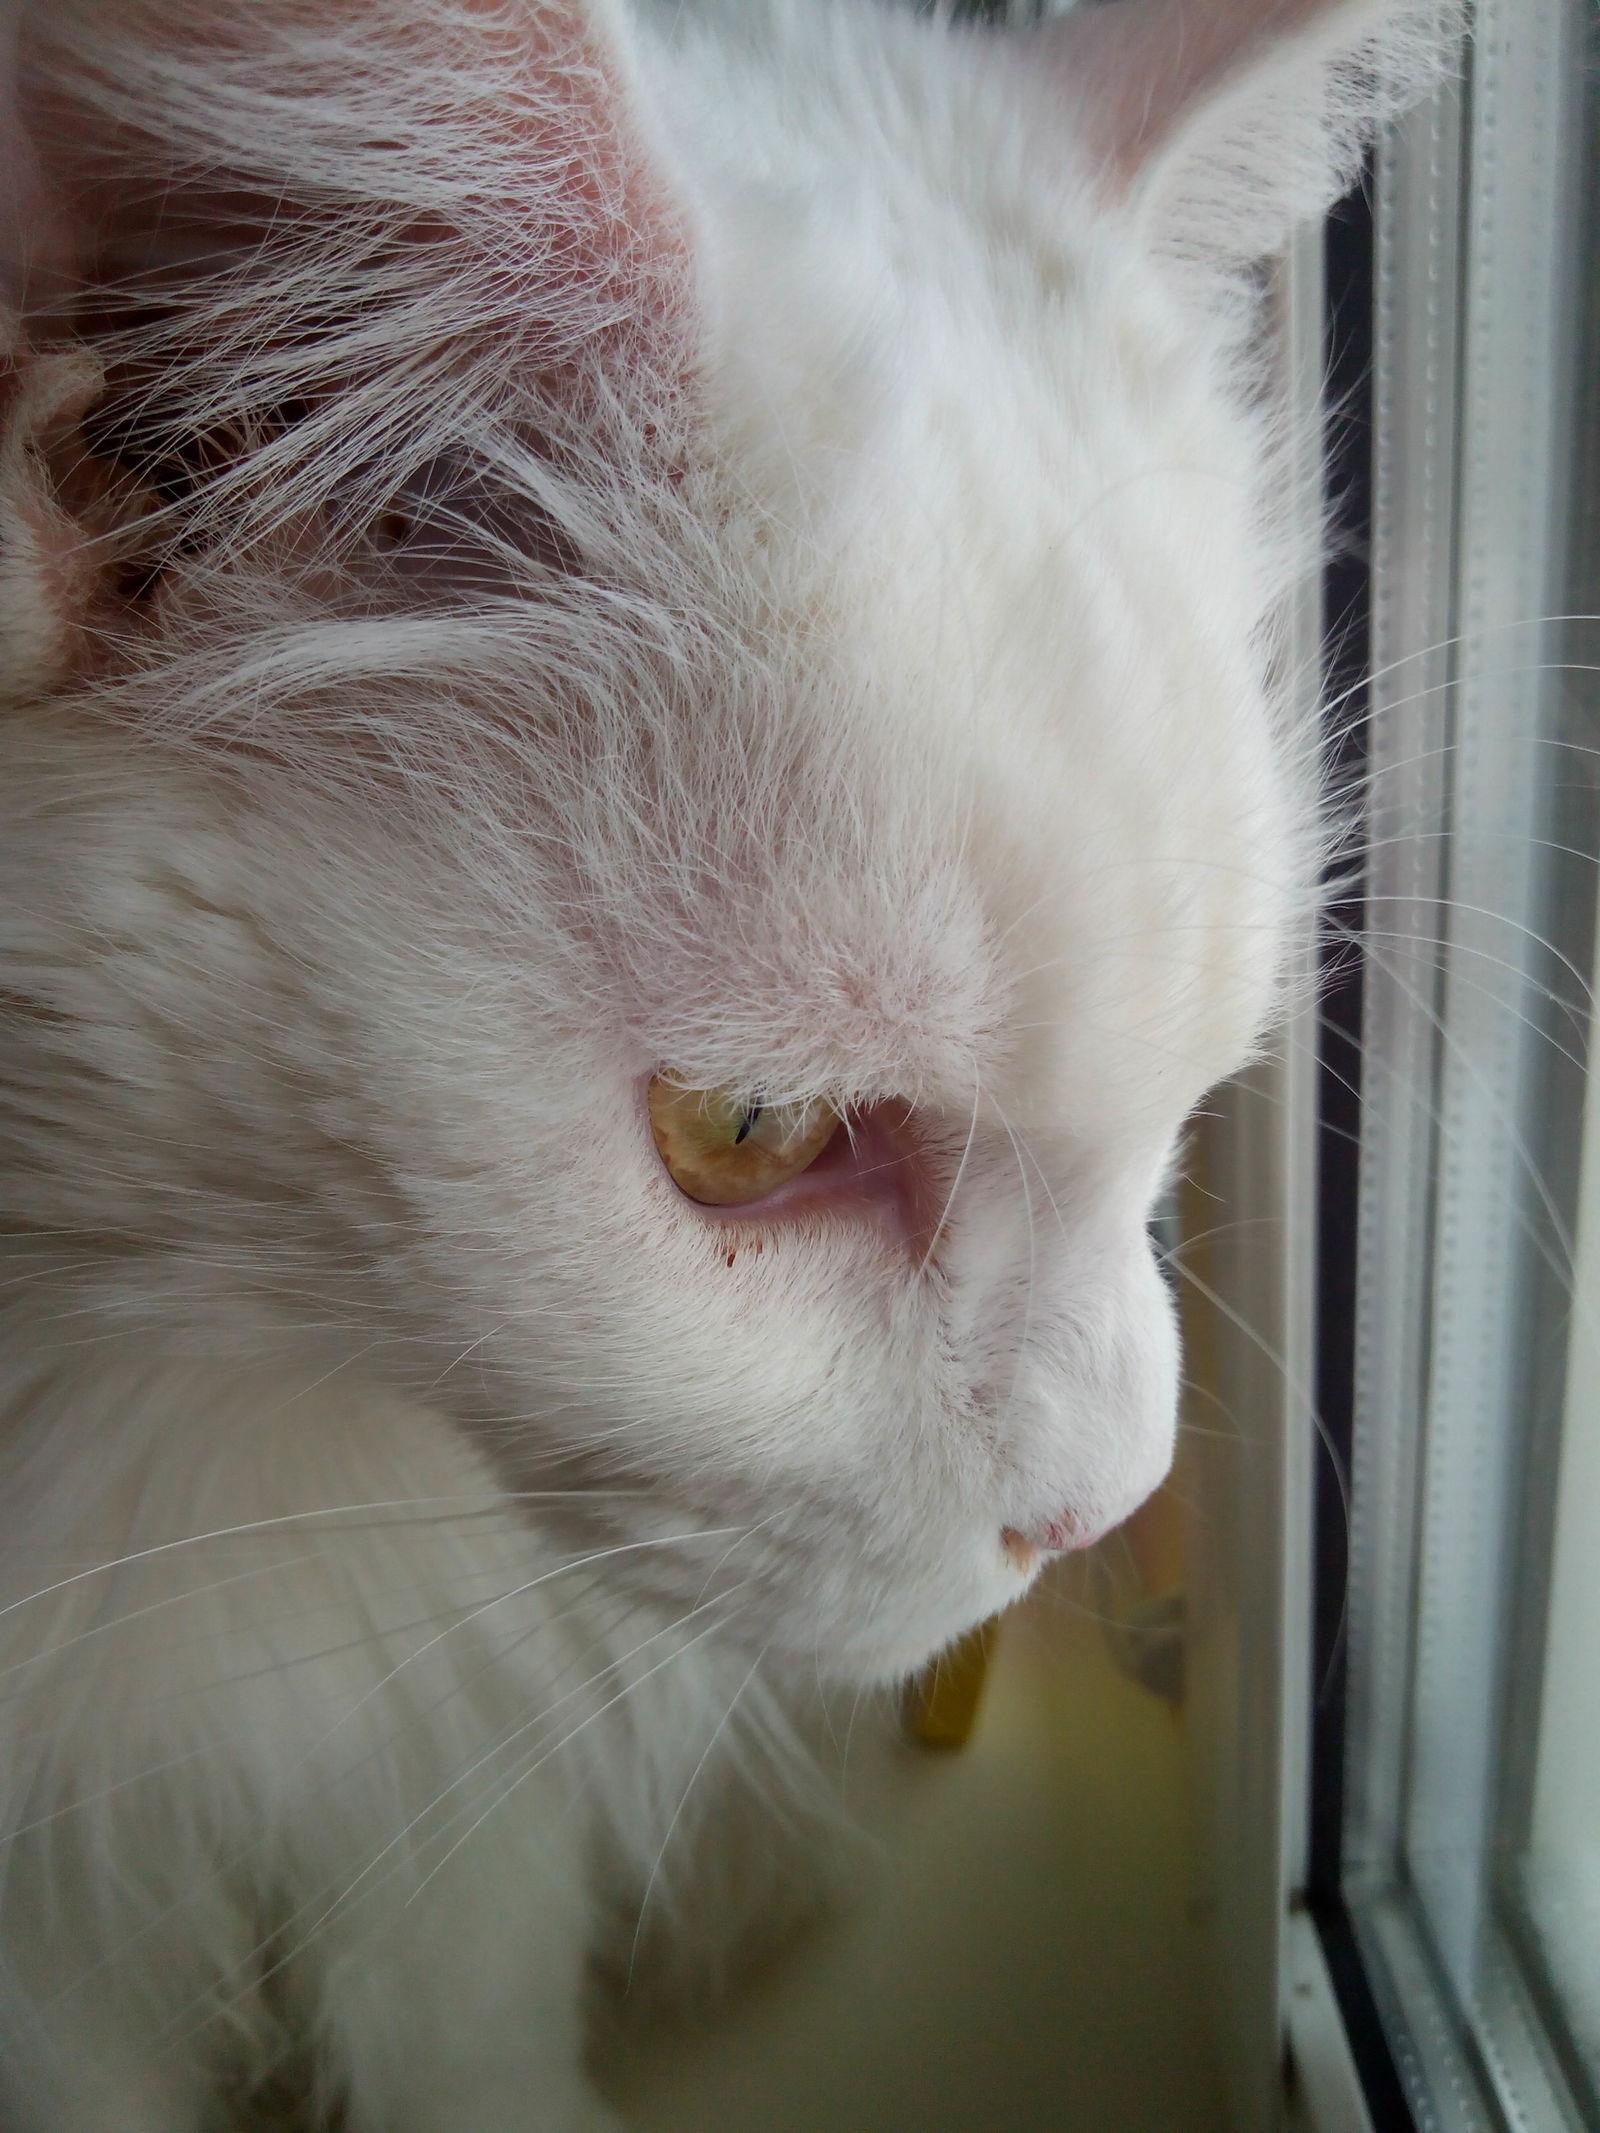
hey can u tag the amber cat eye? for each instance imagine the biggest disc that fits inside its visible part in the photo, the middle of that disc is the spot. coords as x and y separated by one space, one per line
726 1150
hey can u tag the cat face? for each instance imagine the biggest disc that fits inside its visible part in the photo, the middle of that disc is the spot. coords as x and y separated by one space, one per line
807 639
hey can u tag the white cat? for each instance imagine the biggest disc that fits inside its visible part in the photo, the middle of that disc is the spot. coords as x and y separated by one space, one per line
587 592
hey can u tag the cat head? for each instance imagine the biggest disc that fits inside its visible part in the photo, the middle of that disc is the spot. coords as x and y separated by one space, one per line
645 579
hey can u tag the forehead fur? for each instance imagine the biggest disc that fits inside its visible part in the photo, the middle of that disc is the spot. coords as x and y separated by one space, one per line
976 453
1058 872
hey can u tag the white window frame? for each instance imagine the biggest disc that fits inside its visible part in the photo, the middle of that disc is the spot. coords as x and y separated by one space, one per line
1463 519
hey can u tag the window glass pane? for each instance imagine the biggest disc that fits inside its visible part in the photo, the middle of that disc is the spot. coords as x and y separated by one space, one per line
1559 1878
1472 1784
1550 1823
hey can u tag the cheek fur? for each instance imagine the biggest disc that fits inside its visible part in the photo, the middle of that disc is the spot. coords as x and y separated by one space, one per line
858 1421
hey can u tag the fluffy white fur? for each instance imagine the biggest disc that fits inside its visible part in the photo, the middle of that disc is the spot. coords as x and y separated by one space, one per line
543 544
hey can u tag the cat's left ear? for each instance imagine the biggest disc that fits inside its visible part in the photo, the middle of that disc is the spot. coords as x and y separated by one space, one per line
1227 122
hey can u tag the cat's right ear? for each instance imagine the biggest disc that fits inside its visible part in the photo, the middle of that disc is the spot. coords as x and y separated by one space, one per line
1227 122
346 274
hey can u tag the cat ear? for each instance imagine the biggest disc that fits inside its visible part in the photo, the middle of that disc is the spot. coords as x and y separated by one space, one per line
165 119
1229 121
328 248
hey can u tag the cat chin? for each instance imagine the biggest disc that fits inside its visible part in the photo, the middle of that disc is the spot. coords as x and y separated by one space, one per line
896 1636
890 1663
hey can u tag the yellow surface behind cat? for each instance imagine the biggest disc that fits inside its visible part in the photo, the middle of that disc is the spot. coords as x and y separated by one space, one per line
1029 1961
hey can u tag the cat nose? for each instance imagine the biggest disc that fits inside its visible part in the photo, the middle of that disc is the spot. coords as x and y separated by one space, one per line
1060 1536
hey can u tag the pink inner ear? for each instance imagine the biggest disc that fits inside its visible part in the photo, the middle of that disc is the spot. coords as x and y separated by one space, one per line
1135 69
530 111
486 195
576 116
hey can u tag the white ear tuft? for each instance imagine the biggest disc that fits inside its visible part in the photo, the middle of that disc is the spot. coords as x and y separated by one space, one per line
70 528
1230 121
401 285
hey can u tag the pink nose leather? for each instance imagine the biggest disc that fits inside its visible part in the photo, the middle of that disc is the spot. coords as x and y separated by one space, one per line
1059 1537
